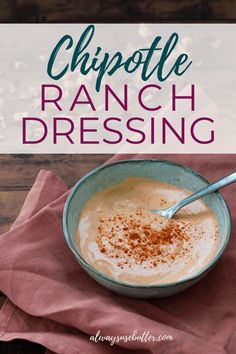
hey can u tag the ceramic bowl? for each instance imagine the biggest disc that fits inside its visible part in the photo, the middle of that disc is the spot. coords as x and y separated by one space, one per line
165 171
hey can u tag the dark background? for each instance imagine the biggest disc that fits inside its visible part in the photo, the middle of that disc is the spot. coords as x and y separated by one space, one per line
18 172
117 11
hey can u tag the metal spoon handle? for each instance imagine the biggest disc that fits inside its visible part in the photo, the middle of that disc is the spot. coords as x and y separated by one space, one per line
205 191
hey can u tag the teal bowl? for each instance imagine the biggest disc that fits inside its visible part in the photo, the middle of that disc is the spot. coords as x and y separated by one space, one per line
165 171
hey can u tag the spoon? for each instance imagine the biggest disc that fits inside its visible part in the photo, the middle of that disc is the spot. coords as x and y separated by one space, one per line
169 212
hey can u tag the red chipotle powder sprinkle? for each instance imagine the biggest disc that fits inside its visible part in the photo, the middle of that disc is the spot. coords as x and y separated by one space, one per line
132 239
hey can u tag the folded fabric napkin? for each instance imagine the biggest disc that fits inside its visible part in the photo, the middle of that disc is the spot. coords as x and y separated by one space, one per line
52 301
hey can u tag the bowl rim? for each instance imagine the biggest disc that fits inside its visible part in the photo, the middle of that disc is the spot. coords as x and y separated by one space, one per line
99 274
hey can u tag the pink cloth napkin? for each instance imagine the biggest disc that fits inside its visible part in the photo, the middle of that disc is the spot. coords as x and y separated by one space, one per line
52 301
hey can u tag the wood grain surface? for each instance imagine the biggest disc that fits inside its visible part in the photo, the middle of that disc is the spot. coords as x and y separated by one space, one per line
117 11
17 174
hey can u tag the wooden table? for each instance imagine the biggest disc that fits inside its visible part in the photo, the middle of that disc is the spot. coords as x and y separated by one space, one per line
117 11
17 174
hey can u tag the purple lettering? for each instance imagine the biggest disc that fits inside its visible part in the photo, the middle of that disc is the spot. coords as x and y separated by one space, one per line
212 138
67 133
165 124
51 100
24 130
135 130
88 100
123 104
84 130
140 98
120 136
175 97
